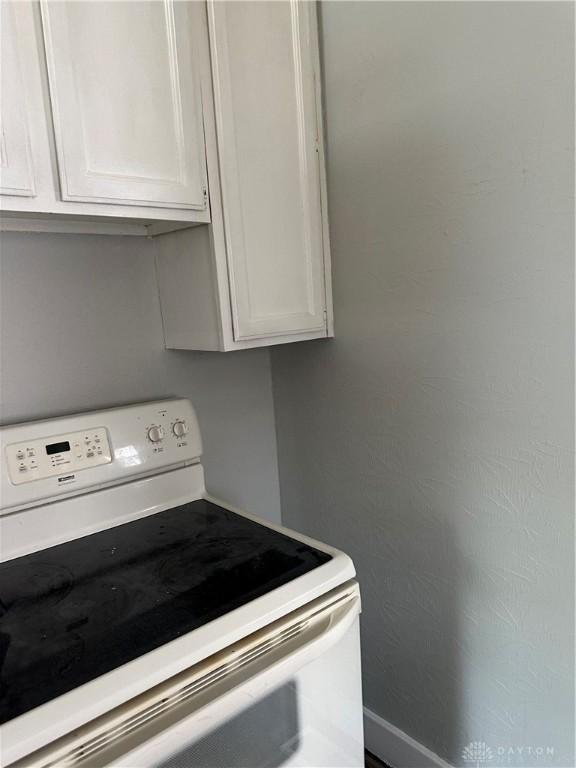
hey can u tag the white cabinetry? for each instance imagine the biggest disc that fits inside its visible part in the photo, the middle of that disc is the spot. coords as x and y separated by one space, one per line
261 275
20 102
125 92
264 88
110 93
197 122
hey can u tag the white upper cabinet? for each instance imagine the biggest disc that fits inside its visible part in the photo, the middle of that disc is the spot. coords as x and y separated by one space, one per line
260 273
199 123
126 101
263 61
101 115
16 161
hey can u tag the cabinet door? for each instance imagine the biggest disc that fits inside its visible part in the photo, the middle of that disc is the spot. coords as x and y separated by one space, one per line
263 60
16 164
125 92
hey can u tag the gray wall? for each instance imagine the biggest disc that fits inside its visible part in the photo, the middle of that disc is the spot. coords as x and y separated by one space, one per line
432 439
81 329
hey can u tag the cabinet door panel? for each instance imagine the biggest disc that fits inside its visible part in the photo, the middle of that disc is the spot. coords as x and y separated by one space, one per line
16 165
124 85
265 100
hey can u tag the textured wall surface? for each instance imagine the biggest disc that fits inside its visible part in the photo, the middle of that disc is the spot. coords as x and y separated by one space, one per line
432 439
81 329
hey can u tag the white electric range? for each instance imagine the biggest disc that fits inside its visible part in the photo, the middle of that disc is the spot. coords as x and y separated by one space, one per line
145 623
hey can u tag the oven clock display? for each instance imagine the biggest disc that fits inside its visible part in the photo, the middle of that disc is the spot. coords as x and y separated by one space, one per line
57 448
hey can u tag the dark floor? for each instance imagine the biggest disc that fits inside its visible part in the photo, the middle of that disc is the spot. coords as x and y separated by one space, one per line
372 762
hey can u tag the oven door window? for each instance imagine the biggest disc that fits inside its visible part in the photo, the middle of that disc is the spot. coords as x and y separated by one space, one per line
266 735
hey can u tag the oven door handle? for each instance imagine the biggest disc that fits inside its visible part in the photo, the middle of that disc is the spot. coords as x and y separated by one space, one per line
146 730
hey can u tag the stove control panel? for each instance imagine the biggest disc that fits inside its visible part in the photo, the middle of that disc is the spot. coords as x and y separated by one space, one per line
42 461
57 455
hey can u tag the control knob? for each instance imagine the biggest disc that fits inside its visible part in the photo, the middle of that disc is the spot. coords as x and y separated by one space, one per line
180 428
155 434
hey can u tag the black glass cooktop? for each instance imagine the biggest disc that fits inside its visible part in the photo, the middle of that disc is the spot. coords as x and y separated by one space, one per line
75 611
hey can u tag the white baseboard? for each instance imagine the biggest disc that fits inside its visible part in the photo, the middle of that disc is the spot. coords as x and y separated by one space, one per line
396 748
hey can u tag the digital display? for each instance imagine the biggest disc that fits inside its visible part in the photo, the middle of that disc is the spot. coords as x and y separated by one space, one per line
57 448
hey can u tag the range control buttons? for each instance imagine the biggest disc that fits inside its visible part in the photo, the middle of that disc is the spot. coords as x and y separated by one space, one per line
180 428
155 433
47 457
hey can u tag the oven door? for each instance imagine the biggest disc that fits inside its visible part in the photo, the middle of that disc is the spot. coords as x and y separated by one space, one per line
288 695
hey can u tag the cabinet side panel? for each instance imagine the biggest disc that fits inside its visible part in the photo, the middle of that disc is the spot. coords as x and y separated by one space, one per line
184 268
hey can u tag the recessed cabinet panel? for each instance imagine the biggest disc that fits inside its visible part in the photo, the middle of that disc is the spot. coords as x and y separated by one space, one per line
125 93
16 164
267 126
